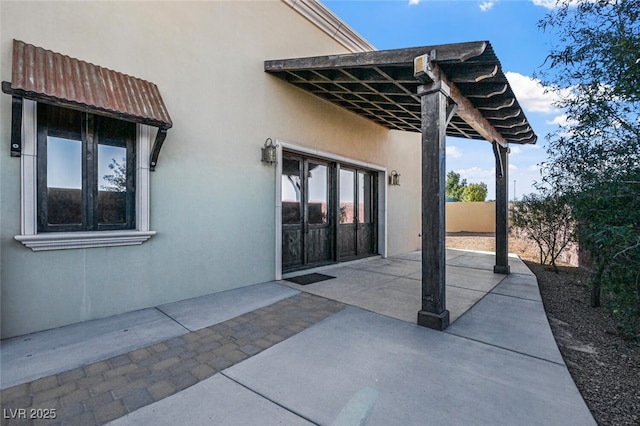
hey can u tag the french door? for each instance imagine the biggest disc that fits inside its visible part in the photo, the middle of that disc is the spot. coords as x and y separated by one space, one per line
307 213
357 229
329 212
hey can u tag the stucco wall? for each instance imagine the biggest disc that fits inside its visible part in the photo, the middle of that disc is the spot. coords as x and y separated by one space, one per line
212 200
471 216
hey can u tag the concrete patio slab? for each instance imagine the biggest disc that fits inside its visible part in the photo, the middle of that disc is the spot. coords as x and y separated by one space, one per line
469 278
204 311
393 372
216 401
475 260
347 281
388 287
519 285
510 322
460 300
415 256
36 355
391 266
518 266
399 298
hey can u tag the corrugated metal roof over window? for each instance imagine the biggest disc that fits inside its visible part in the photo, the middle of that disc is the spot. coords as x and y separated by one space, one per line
47 76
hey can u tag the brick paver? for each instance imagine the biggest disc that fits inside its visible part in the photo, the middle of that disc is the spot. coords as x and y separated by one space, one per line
105 390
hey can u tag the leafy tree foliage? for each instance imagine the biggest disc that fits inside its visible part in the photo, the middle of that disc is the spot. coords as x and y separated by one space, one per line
459 190
475 192
454 187
594 159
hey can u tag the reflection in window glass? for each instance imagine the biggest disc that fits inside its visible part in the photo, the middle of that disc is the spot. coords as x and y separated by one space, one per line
112 184
291 188
365 197
64 180
317 194
347 196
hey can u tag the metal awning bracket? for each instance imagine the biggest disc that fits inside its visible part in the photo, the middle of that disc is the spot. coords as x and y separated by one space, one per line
155 151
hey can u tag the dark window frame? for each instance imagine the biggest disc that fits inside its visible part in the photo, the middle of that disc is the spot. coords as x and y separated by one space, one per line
92 126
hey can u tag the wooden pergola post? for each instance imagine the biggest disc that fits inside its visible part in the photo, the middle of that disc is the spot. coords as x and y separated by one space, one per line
434 313
502 209
436 112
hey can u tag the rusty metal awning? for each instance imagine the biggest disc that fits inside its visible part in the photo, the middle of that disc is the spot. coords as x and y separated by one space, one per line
381 86
46 76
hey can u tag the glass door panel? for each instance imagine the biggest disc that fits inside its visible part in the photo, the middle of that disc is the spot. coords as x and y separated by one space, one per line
292 235
365 239
291 191
365 197
318 241
347 196
348 214
317 195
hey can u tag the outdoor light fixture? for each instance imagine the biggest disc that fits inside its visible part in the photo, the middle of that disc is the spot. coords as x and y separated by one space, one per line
394 178
269 152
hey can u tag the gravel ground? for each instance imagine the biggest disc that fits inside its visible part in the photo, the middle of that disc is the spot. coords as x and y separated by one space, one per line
604 367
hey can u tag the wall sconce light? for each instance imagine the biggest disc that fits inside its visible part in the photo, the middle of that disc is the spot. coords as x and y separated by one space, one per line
269 152
394 178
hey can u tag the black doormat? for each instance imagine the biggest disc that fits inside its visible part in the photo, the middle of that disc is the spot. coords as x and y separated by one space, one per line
309 278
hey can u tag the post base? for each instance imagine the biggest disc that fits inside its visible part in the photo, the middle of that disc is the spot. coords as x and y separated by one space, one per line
435 321
502 269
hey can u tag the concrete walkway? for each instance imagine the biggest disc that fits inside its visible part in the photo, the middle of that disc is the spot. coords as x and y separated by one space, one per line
342 351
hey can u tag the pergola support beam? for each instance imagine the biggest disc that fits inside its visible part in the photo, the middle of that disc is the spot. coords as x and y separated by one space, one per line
440 100
434 119
502 210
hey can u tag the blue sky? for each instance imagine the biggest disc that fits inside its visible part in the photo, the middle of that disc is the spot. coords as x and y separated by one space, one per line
512 28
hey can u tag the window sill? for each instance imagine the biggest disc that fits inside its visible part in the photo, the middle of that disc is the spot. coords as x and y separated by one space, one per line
76 240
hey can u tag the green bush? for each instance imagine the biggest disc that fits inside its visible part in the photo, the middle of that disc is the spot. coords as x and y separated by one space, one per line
546 220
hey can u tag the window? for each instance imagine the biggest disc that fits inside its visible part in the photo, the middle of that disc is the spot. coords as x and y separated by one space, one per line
84 177
66 200
86 171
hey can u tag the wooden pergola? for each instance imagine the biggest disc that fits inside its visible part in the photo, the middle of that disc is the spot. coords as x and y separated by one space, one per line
445 90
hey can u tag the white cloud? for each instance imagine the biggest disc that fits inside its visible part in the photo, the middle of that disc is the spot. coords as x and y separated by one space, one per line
562 121
413 2
549 4
477 174
515 150
531 94
552 4
534 168
485 6
453 151
512 167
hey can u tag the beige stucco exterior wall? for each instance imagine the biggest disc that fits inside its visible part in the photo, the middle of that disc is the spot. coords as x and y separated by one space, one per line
212 200
471 216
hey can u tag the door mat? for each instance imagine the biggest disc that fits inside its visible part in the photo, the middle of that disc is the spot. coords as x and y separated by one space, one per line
309 278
